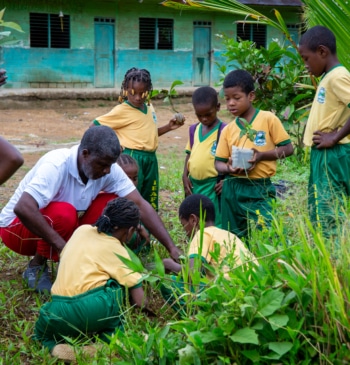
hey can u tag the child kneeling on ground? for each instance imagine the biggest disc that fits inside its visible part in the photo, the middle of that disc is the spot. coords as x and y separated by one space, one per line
202 246
89 291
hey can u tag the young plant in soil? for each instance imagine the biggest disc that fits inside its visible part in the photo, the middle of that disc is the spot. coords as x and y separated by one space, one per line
241 156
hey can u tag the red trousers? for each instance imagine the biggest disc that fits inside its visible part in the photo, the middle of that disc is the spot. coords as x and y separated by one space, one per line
62 217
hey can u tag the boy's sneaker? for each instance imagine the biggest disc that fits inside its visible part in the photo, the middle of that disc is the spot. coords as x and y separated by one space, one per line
38 278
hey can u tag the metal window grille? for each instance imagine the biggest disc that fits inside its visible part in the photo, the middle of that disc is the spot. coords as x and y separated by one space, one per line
202 23
252 32
49 30
104 20
156 33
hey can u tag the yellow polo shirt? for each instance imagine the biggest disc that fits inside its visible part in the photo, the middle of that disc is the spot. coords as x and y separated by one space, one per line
270 134
331 106
136 129
201 164
227 241
89 260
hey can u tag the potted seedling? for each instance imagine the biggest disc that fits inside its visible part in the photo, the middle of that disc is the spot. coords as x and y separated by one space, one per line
241 155
169 94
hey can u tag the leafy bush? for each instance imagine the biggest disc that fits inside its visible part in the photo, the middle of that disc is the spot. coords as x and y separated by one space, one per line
278 72
291 309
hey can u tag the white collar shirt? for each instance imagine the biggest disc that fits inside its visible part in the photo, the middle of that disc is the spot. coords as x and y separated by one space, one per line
55 178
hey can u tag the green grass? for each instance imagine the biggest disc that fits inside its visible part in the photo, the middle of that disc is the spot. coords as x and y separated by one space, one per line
296 301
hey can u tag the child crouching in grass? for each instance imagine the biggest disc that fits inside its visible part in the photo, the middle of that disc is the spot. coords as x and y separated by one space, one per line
89 290
210 246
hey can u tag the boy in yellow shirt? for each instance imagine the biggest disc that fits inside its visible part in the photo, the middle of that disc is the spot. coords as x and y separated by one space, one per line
327 130
247 194
214 239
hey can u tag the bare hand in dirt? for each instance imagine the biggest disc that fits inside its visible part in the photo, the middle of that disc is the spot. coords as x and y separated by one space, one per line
3 77
325 140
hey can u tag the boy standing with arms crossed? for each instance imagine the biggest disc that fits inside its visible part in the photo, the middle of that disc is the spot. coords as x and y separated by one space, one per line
248 194
200 175
328 128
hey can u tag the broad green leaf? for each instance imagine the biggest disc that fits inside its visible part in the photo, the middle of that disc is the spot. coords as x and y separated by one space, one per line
11 25
252 355
278 320
270 302
280 348
245 335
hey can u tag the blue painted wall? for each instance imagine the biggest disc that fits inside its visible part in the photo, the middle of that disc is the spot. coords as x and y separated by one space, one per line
75 67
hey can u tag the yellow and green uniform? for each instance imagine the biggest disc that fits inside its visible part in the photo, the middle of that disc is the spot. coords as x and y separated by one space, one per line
249 197
329 181
137 131
228 242
211 236
201 165
89 289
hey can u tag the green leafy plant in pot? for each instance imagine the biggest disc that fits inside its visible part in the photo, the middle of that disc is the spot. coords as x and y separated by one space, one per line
241 155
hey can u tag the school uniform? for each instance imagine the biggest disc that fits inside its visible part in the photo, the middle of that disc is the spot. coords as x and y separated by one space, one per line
137 131
329 182
89 291
250 197
201 165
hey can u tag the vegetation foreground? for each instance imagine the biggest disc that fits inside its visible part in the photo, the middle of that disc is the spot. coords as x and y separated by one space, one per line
291 309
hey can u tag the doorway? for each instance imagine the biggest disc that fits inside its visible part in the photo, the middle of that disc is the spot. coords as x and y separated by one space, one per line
201 53
104 52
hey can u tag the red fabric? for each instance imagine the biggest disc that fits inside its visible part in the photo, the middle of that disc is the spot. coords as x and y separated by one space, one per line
62 217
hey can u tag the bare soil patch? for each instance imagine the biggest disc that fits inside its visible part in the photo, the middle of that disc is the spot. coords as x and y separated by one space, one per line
38 126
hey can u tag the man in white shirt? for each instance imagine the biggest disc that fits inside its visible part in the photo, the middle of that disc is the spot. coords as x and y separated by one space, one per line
63 191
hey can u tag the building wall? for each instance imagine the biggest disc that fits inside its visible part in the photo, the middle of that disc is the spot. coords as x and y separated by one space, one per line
75 67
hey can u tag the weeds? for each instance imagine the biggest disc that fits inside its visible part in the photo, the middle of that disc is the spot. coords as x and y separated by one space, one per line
293 308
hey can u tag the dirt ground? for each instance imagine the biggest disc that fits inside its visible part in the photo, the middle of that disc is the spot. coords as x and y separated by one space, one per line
37 126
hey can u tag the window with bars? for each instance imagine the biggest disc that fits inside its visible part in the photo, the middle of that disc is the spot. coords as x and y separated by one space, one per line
49 30
156 33
252 32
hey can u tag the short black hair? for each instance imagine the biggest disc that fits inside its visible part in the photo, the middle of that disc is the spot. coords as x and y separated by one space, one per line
194 204
101 141
319 36
240 78
205 95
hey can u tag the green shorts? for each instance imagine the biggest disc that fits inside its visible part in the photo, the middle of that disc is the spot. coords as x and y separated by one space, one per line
96 312
207 188
148 176
243 200
329 186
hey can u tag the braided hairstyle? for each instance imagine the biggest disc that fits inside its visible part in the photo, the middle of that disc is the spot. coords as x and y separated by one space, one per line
125 160
119 212
139 75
